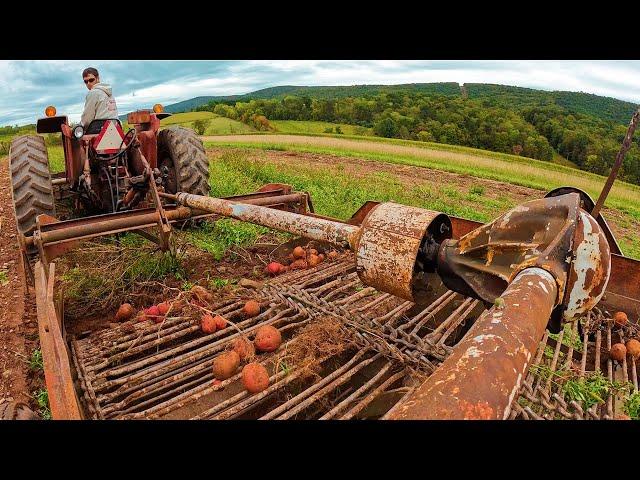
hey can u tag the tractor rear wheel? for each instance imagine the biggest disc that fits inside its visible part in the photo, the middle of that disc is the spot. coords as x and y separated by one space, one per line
30 182
10 410
182 152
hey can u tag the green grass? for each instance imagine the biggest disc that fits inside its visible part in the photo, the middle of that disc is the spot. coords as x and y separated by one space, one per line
218 237
186 117
56 159
217 125
338 195
312 127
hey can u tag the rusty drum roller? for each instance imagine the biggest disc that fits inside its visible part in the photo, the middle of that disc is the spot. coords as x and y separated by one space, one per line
397 243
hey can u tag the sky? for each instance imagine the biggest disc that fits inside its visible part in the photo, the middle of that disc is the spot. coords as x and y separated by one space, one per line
27 87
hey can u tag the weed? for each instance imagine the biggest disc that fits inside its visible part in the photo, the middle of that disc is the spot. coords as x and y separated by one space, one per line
216 283
4 279
186 285
632 406
35 361
593 388
477 190
42 397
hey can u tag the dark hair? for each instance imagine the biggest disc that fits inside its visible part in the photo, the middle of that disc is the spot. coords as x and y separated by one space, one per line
91 71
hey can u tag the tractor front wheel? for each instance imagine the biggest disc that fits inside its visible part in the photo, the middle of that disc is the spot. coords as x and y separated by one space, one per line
187 167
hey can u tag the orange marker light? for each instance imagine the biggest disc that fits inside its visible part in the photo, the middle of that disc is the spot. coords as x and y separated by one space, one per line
50 111
157 108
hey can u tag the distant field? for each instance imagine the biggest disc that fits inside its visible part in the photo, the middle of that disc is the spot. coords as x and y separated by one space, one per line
295 126
217 125
179 118
480 163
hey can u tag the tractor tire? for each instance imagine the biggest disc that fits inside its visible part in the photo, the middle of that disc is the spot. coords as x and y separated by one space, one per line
182 152
16 411
31 186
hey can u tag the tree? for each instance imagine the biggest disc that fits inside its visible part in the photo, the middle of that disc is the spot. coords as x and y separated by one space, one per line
200 126
385 128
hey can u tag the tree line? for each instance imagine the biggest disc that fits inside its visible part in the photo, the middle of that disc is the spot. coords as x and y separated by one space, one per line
529 130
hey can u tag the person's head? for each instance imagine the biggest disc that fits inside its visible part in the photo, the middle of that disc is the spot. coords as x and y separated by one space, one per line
90 77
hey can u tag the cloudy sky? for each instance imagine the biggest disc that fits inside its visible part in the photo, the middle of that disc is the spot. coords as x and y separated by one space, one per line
27 87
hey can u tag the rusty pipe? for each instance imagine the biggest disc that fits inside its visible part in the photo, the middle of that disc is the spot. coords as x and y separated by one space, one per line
483 374
319 229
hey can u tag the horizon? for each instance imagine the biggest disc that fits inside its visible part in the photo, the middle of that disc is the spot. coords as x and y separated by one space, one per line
140 84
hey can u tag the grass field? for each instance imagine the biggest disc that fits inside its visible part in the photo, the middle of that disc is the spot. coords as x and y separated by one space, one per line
309 127
480 163
217 125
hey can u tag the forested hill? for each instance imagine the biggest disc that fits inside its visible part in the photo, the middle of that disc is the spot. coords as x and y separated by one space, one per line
603 108
521 121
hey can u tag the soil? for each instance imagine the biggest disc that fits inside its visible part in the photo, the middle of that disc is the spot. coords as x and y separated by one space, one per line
18 321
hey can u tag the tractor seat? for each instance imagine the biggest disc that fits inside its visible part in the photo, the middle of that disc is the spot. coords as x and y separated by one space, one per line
96 125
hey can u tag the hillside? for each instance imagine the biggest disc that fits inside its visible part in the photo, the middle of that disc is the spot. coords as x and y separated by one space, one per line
602 108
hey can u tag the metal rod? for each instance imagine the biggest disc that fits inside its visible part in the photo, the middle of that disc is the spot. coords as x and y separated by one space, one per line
313 228
626 144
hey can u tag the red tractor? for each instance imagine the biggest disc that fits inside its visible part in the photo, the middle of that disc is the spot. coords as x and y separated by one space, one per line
106 171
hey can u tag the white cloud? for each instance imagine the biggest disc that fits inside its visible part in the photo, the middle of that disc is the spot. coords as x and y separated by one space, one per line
26 87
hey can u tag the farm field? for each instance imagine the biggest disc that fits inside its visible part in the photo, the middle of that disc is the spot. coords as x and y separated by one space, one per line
463 160
311 127
217 125
457 189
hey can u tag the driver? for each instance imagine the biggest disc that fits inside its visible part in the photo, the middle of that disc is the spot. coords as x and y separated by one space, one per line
99 103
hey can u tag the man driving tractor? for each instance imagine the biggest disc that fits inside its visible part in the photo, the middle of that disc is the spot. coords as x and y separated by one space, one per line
99 103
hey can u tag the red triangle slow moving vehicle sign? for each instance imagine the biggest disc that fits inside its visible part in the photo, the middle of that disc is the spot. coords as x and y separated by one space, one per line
109 140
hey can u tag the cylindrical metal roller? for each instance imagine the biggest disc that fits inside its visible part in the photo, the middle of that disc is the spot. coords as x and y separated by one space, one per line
388 245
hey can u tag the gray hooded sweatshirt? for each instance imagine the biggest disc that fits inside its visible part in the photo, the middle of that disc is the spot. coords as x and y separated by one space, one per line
99 104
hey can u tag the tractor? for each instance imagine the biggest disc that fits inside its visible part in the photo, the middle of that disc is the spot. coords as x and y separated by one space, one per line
106 170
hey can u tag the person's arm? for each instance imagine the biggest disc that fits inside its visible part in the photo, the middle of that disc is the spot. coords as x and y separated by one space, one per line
90 108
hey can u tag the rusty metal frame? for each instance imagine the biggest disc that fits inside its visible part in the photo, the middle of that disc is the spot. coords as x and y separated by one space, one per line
63 400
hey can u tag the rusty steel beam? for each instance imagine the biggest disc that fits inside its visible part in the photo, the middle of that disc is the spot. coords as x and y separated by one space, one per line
483 374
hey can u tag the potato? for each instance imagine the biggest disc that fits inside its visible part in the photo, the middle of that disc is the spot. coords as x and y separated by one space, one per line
313 251
332 254
314 261
321 257
163 307
255 377
633 348
299 252
274 268
201 294
251 308
125 312
299 265
225 365
244 348
267 339
208 324
152 313
618 352
620 318
221 322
